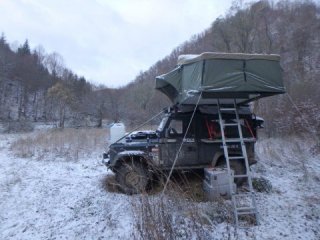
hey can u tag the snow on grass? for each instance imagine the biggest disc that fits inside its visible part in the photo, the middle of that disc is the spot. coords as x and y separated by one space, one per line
288 212
68 144
63 199
56 196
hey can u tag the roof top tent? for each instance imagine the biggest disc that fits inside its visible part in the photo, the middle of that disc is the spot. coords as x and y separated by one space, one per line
224 76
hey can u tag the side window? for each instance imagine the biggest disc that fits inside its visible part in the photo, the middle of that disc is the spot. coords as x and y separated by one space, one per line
192 129
175 127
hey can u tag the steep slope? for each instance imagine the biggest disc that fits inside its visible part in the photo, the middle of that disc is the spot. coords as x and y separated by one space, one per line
290 29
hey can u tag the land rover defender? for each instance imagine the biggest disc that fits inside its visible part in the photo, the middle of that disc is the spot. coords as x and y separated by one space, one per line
184 140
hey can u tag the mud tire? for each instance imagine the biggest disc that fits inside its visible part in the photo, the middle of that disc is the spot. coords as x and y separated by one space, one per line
132 177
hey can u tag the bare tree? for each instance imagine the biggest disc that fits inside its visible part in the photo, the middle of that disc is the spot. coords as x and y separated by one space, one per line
63 97
55 64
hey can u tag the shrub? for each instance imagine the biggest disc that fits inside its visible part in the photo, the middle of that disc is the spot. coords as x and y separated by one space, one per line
179 213
262 184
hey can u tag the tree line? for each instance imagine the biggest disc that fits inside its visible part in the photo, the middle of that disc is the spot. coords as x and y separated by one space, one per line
290 29
36 86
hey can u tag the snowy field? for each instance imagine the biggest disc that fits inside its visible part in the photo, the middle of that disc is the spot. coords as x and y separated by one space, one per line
59 192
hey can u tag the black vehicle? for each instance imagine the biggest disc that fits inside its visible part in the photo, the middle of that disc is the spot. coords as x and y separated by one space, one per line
143 154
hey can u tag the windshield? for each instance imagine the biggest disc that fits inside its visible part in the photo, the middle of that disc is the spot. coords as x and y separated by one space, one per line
162 124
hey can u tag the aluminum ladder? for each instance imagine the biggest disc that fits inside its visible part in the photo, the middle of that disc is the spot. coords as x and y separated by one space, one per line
244 203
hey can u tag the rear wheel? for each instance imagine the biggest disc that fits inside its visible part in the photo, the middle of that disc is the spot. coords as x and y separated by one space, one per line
132 177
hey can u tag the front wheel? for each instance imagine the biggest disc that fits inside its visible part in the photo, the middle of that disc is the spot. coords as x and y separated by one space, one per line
132 177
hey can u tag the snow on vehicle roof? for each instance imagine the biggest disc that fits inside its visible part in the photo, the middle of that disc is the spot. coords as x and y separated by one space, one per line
190 58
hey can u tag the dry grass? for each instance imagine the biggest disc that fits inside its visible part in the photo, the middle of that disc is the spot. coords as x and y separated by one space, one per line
109 184
181 213
67 144
166 217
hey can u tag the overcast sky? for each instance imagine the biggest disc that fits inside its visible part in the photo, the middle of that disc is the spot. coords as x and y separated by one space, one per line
108 41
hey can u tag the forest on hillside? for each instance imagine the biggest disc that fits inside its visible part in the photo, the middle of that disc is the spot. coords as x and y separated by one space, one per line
35 86
290 29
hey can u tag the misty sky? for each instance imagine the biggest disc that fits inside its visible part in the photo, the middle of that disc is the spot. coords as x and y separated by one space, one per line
108 41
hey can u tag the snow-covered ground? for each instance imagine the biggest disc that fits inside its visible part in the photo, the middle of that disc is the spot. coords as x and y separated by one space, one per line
59 199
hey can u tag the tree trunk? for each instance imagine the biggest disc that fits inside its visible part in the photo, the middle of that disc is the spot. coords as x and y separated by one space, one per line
62 115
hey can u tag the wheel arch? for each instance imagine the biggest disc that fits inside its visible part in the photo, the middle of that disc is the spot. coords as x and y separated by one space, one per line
217 158
129 157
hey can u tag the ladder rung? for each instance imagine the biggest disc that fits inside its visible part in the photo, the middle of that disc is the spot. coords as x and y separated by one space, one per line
227 109
232 140
240 176
236 157
239 139
230 124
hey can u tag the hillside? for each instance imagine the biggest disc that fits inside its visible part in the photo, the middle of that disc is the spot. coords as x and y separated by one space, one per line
35 86
290 29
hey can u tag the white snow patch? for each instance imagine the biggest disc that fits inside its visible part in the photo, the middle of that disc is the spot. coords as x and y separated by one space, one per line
58 200
67 200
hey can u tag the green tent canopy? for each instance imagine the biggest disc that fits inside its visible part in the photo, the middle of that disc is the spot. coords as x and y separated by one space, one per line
226 76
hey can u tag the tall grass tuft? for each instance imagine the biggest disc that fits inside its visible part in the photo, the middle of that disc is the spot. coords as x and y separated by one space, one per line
67 144
179 213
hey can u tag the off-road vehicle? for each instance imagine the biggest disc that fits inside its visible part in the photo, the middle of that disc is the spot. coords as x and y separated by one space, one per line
141 155
200 84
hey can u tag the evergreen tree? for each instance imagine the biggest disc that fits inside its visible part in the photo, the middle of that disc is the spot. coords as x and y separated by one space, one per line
3 41
24 50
